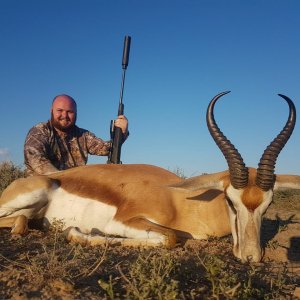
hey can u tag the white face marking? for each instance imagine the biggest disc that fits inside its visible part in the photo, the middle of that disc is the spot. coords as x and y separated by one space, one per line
259 211
238 217
246 225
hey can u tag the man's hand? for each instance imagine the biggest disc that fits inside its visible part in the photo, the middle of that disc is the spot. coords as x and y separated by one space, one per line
122 123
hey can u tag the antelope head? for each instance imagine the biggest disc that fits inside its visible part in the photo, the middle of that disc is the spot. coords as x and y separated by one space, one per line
248 191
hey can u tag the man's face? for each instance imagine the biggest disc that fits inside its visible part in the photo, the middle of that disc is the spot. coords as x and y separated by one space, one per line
63 113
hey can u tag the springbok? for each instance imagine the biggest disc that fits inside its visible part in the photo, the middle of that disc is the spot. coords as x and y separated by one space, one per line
147 205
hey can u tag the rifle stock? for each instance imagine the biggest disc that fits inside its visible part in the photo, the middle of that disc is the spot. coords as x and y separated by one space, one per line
116 132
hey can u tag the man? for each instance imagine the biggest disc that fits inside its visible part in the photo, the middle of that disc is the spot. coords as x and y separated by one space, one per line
59 144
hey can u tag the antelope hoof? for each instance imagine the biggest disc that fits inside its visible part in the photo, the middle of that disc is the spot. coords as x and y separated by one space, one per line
20 226
171 240
74 236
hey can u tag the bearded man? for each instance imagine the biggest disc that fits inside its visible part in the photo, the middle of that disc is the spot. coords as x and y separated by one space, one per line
59 144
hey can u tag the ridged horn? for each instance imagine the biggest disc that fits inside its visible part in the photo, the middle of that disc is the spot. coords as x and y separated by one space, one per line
237 169
265 177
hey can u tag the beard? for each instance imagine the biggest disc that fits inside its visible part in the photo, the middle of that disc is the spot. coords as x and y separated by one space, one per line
67 127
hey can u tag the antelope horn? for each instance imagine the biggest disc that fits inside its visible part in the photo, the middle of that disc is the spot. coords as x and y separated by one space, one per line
265 177
237 169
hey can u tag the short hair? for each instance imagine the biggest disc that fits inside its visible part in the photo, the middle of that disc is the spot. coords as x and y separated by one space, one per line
65 95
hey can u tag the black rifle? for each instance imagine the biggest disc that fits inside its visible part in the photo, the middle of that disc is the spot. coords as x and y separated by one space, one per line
116 133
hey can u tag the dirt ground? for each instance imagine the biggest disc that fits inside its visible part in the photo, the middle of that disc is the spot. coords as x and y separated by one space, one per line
43 266
282 228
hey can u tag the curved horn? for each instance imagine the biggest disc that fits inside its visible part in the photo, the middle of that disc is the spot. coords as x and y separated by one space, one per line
265 177
237 169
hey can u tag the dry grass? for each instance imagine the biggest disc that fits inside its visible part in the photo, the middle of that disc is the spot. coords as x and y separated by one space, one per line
44 266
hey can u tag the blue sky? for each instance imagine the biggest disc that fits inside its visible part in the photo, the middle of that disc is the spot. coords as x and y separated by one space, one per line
182 54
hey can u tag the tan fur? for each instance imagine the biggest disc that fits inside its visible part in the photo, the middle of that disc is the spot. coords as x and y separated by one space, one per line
25 185
287 182
114 183
19 224
146 199
252 195
140 192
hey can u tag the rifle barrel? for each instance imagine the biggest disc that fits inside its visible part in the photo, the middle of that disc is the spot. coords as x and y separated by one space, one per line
116 132
126 51
125 60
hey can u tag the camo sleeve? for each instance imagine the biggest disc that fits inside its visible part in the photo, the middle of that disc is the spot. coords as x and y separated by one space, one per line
35 152
97 146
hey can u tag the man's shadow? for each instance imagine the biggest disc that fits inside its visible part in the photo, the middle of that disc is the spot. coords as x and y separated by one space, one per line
271 227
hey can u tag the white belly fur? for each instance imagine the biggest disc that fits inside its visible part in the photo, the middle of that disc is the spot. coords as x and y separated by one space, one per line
88 214
79 212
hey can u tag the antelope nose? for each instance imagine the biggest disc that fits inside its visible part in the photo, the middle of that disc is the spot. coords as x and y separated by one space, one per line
252 258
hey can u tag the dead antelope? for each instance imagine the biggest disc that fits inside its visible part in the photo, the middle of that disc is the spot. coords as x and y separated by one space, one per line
147 205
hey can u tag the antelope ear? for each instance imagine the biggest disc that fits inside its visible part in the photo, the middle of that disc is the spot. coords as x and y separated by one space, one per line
217 181
284 182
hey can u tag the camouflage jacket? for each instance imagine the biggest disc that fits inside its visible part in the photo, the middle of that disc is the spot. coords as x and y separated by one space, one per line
46 150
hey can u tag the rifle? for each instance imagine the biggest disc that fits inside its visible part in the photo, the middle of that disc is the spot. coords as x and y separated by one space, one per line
116 132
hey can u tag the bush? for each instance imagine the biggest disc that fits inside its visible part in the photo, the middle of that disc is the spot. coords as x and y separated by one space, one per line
8 173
